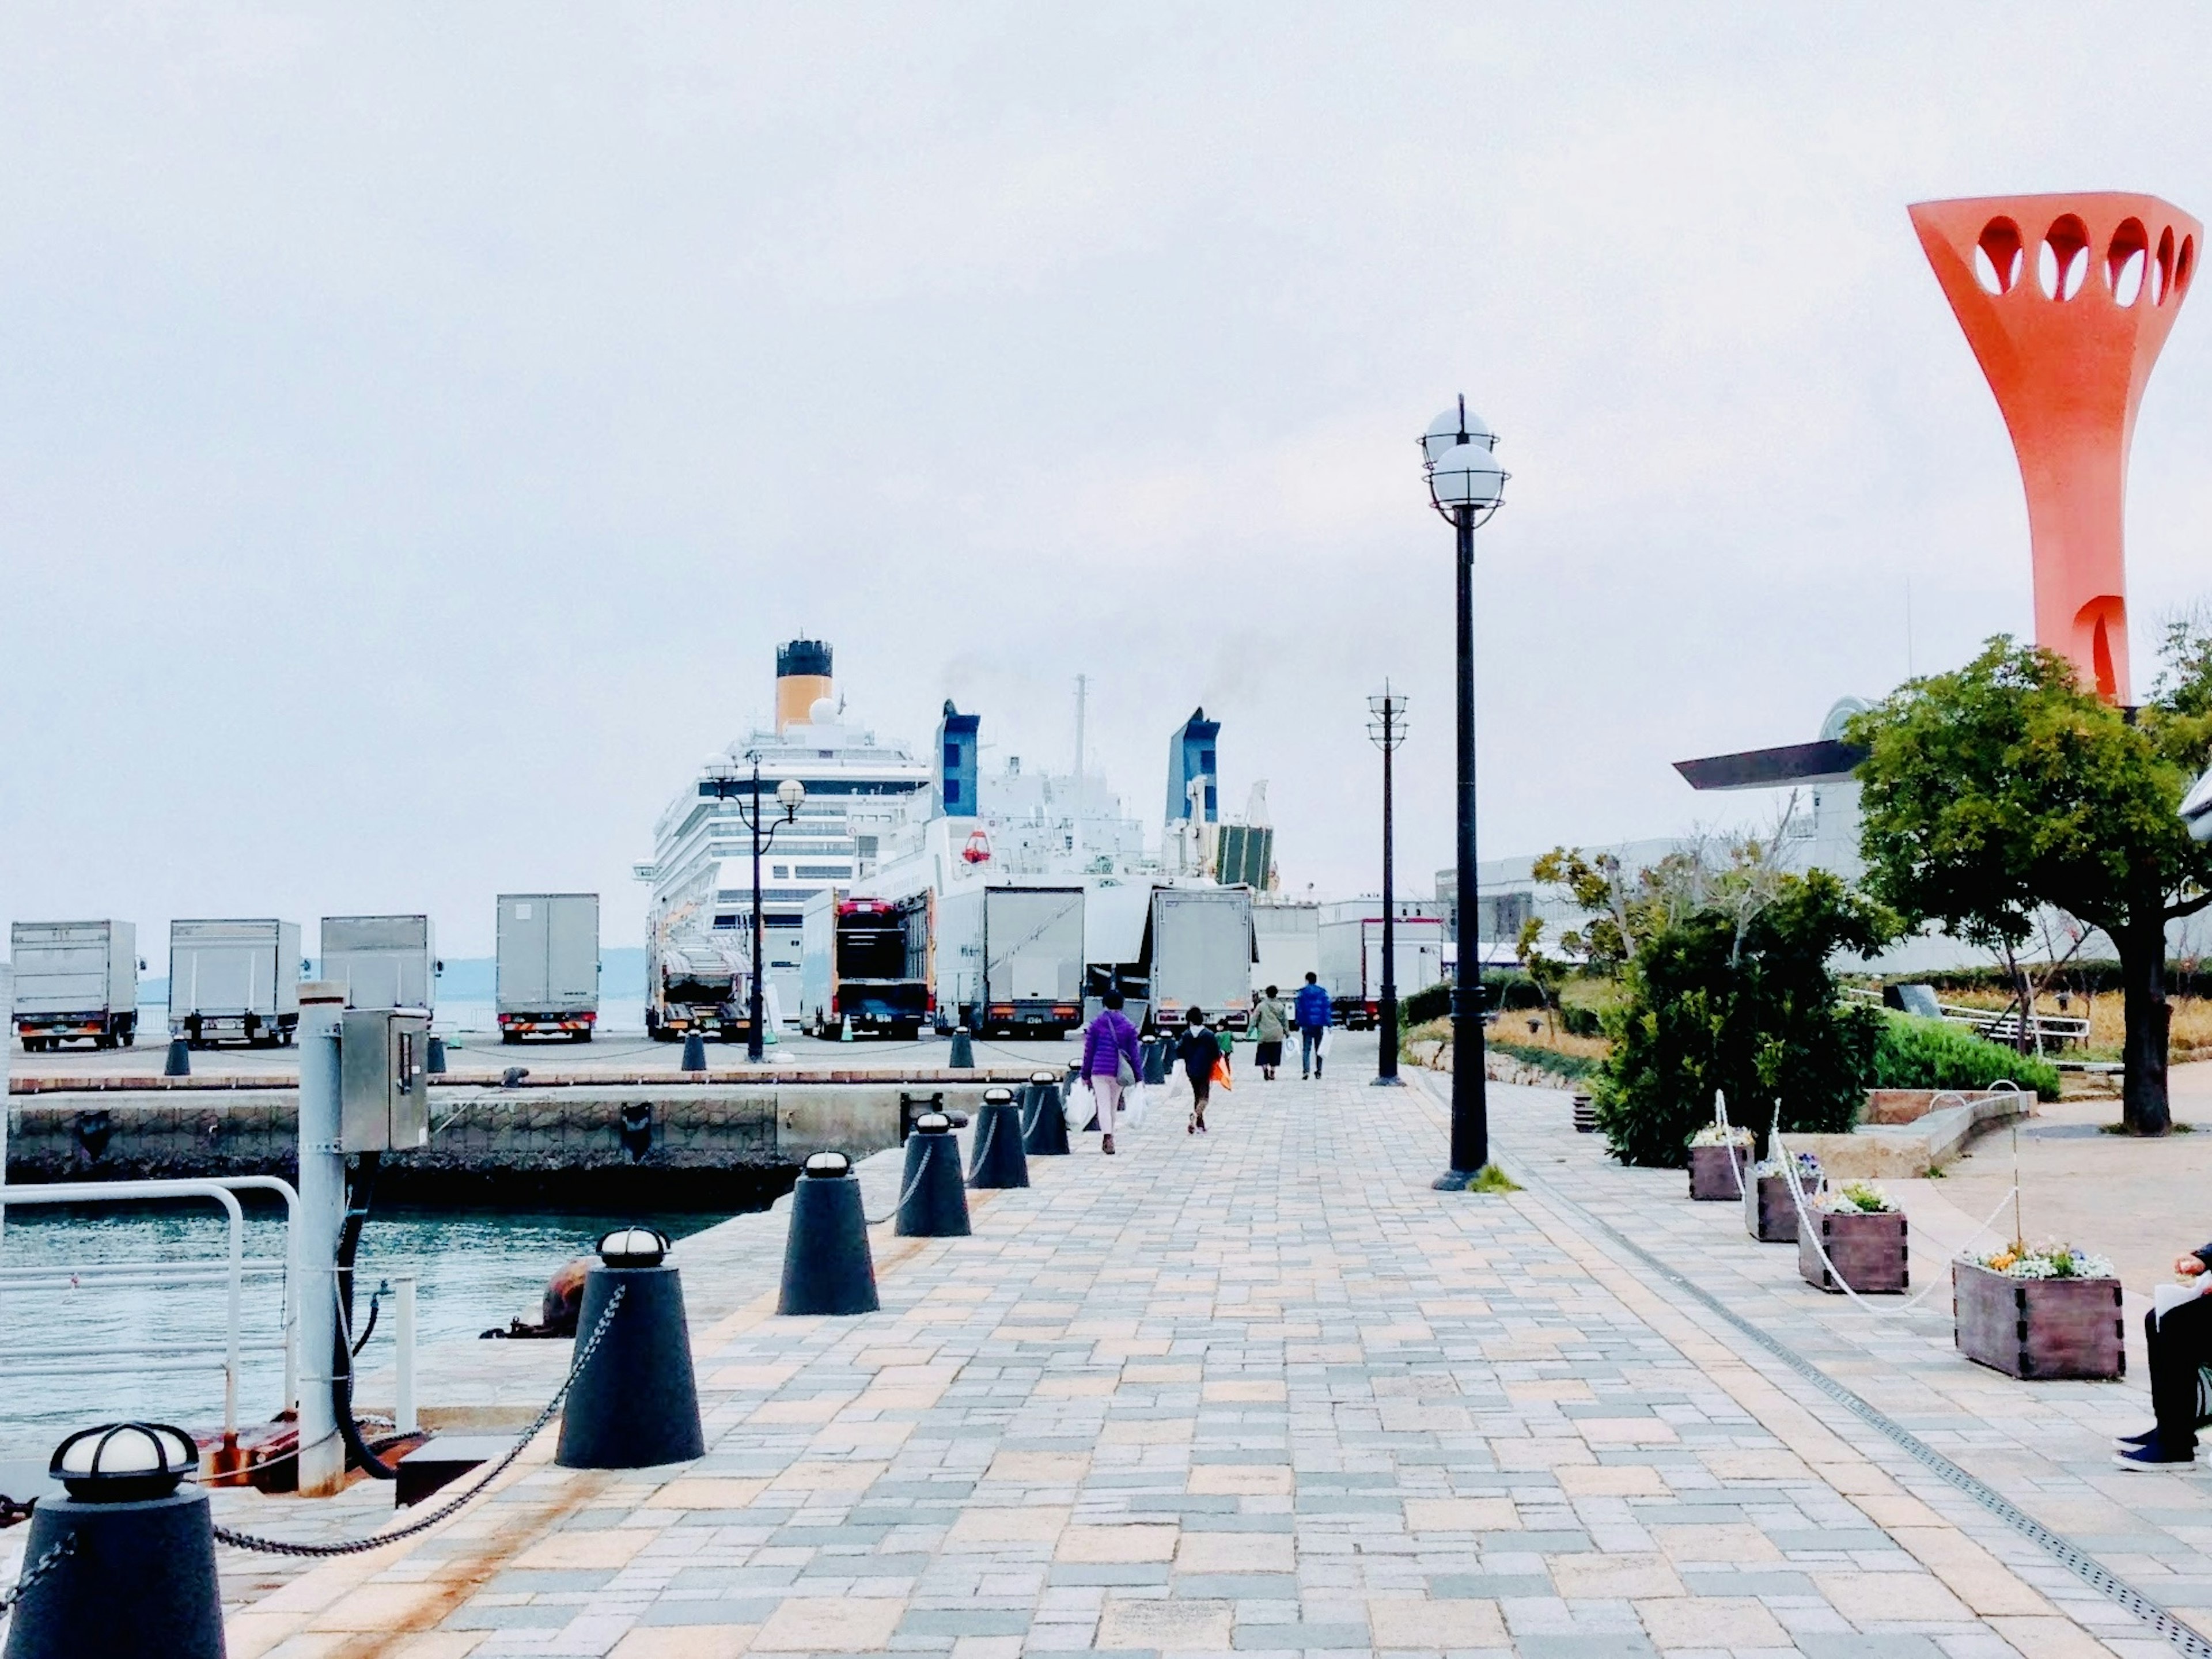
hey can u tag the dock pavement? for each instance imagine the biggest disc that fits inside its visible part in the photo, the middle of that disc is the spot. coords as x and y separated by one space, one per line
1262 1391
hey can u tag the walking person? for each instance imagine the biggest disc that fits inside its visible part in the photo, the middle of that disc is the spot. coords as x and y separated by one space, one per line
1111 1062
1271 1023
1313 1013
1199 1051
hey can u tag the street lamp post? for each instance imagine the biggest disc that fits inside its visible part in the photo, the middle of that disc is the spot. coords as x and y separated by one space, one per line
790 795
1386 727
1465 484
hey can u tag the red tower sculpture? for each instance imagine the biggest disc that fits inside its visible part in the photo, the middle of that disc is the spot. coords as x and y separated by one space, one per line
2066 301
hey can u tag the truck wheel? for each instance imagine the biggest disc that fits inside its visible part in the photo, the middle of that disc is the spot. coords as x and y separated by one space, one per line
583 1036
506 1035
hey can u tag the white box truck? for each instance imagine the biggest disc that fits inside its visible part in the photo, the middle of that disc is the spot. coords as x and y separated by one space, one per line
864 964
232 980
1286 940
74 979
383 962
1199 948
1351 962
1010 960
548 965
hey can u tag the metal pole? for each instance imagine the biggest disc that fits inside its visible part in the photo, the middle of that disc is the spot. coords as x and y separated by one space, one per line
402 1332
322 1213
7 1061
755 1052
1470 1118
1386 1068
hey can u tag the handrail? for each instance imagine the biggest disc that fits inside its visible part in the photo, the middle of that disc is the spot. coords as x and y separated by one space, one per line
224 1189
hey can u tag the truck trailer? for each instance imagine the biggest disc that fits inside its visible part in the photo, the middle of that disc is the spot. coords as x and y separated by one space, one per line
865 964
1010 960
1198 954
74 979
1351 962
383 962
234 981
548 965
1286 941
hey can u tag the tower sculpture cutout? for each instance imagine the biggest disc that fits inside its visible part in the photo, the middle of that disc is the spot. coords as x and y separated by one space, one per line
2066 301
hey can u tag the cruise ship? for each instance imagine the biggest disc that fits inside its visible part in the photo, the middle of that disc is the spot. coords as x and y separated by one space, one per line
859 792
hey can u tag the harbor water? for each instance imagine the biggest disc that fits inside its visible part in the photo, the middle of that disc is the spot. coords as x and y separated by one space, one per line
474 1271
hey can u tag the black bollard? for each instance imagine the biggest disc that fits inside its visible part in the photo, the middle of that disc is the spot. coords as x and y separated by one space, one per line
997 1160
139 1581
963 1051
635 1405
434 1064
694 1052
1046 1130
1156 1060
827 1268
179 1062
934 1204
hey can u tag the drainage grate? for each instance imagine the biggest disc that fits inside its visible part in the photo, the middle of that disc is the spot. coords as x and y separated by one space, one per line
2060 1549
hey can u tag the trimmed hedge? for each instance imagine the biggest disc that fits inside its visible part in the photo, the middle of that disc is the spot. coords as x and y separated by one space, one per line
1913 1053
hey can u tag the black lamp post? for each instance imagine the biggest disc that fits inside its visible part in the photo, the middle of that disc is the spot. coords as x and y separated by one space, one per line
790 794
1465 484
1386 727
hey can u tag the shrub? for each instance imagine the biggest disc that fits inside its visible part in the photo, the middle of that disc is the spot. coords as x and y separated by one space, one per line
1432 1002
1571 1066
1746 1007
1930 1053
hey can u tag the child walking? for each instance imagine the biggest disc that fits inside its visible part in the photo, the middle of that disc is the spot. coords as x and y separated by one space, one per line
1199 1053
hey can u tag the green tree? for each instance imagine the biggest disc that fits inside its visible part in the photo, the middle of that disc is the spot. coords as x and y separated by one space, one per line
2002 788
1737 995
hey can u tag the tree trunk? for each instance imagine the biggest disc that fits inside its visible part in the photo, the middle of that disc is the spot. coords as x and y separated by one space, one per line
2141 945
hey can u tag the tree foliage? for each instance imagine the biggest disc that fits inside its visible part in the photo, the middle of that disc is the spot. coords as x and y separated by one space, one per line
2002 788
1731 995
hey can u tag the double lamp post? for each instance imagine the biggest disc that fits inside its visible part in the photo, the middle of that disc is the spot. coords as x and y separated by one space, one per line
1465 484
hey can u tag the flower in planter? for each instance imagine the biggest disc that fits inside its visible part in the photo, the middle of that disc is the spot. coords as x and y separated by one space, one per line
1714 1135
1808 1170
1858 1198
2019 1261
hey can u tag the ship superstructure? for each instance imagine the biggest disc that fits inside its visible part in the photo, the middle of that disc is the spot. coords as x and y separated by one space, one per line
860 790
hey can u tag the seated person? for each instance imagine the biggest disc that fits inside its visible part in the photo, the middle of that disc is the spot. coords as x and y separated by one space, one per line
2181 1345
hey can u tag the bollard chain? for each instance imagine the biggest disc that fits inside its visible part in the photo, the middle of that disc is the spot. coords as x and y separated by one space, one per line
46 1564
912 1187
361 1545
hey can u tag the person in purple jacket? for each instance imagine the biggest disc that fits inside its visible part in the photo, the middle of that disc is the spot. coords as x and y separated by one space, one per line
1109 1044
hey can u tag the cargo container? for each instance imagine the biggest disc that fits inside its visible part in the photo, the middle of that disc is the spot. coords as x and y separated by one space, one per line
74 979
234 981
1010 960
548 965
864 964
1287 942
383 962
1352 962
1199 952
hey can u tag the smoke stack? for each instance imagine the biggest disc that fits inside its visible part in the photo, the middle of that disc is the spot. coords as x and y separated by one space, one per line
802 679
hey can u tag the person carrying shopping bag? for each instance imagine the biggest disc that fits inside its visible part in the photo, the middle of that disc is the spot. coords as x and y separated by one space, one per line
1111 1062
1271 1023
1199 1051
1314 1013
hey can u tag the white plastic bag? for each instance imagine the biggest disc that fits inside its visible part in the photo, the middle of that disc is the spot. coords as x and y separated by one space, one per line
1133 1106
1077 1104
1327 1036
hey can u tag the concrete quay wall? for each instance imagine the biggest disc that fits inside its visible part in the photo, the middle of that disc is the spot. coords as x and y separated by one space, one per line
665 1139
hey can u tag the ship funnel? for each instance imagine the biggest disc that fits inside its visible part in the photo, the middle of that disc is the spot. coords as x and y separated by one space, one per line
802 680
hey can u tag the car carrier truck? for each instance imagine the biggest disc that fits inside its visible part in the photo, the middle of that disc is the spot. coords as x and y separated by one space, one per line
234 981
864 964
74 980
1010 960
548 965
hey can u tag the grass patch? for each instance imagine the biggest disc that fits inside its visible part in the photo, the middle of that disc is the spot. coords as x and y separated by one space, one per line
1927 1054
1491 1179
1572 1067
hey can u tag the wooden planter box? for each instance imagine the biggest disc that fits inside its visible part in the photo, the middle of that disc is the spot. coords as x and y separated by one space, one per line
2040 1328
1711 1179
1868 1250
1770 1214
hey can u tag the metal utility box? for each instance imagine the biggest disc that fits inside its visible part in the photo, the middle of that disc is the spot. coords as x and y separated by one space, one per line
384 1084
74 979
384 962
549 964
234 980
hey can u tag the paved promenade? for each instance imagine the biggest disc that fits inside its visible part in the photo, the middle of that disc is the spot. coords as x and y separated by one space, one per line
1263 1392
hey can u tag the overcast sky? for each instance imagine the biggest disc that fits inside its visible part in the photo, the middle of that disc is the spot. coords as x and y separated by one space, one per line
418 426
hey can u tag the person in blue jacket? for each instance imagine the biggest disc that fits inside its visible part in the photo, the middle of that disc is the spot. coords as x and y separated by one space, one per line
1311 1012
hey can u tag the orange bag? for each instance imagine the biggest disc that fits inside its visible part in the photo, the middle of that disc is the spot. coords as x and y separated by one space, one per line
1221 1078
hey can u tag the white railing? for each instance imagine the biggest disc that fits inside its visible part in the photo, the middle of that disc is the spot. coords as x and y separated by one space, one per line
2045 1031
65 1358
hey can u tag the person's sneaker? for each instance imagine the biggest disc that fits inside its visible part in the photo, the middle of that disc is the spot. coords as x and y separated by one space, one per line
2153 1457
2130 1442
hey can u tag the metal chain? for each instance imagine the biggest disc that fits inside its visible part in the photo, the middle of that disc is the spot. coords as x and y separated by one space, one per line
361 1545
46 1564
912 1187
